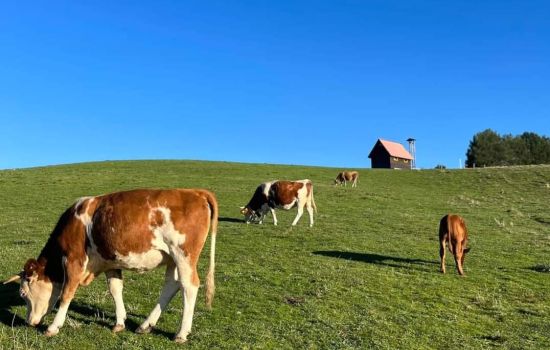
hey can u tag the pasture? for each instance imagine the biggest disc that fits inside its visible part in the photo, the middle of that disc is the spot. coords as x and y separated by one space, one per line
365 276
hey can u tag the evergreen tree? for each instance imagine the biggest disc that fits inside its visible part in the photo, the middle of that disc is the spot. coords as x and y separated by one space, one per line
487 148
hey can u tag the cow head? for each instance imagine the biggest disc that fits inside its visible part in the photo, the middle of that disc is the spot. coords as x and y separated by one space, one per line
37 290
249 215
339 179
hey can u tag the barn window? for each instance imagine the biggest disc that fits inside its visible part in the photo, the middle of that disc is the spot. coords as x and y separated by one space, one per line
406 160
395 159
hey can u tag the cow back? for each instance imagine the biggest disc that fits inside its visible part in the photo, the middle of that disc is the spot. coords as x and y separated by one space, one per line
124 222
283 193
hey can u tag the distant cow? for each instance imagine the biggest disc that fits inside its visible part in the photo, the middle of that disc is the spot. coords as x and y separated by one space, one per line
280 194
136 230
452 230
347 176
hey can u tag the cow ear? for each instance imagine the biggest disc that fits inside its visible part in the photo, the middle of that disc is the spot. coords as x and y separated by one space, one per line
467 250
243 210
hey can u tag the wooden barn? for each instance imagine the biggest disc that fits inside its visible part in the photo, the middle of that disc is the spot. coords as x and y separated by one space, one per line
390 155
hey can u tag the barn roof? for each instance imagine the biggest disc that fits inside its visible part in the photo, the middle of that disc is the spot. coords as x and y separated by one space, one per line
394 149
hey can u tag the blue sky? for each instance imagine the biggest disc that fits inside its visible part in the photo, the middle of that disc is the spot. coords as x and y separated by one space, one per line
292 82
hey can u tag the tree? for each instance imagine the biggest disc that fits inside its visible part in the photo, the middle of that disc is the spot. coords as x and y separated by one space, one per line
487 148
538 148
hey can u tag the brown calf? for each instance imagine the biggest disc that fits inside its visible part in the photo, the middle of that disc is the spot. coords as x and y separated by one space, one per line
347 176
452 230
136 230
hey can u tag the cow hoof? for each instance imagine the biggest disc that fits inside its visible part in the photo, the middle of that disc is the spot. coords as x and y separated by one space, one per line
180 340
142 330
51 332
118 328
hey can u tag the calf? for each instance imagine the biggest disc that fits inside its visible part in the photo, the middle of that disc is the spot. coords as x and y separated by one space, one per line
136 230
280 194
347 176
452 230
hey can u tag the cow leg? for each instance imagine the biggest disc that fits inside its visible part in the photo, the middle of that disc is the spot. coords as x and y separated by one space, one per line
442 244
189 285
462 258
170 288
299 215
73 272
459 258
190 291
309 208
262 217
114 280
274 216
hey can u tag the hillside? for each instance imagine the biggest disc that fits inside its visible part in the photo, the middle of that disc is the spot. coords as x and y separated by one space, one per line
365 276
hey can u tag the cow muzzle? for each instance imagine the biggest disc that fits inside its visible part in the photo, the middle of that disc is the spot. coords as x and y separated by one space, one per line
34 321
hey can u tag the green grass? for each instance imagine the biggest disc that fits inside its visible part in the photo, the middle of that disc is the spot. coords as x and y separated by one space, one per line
365 276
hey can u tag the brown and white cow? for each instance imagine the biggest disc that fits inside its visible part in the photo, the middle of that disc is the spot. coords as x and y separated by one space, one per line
280 194
135 230
452 230
347 176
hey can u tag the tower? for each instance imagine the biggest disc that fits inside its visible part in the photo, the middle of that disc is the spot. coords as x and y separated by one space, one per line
412 151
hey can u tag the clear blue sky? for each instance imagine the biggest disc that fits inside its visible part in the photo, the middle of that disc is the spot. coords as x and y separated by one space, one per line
293 82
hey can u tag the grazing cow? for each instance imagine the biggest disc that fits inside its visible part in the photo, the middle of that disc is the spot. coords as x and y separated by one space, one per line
347 176
280 194
136 230
452 230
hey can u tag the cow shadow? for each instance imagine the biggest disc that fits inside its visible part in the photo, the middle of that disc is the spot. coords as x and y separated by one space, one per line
385 260
88 314
233 220
542 220
9 296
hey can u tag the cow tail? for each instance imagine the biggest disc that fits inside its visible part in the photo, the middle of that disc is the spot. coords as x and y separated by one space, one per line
313 200
210 285
465 233
449 228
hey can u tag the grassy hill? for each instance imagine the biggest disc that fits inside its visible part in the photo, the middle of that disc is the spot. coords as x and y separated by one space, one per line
365 276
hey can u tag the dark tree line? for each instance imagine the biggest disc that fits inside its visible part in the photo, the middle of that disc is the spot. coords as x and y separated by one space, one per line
487 148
